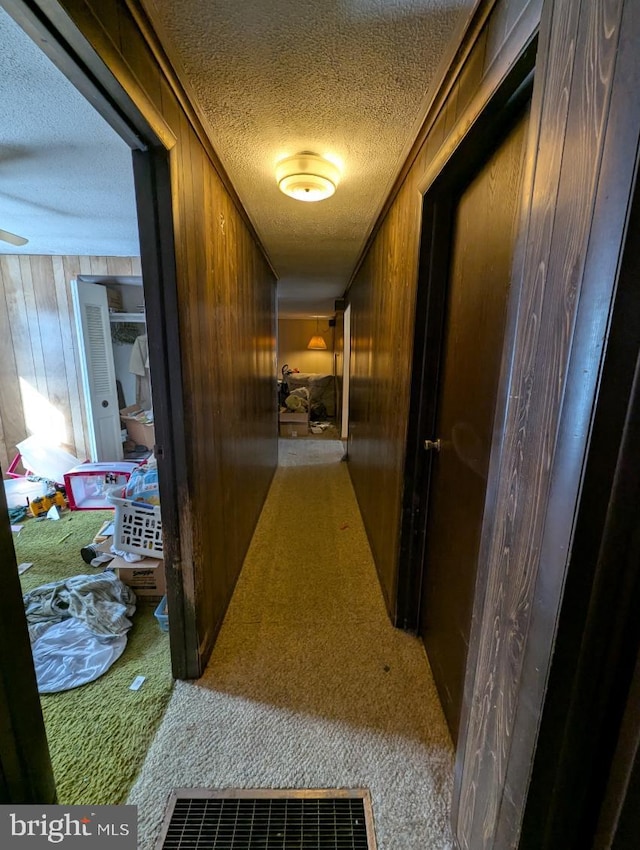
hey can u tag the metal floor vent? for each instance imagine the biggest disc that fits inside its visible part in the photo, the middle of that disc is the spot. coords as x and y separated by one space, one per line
252 819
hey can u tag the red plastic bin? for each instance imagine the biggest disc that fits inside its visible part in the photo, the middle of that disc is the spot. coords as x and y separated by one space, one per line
87 484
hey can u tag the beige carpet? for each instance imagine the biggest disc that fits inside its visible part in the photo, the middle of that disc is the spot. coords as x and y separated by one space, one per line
309 684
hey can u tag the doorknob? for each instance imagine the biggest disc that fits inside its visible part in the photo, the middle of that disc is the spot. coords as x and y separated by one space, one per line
432 445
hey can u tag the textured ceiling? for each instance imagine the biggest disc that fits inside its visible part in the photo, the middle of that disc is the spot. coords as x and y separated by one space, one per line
348 78
65 176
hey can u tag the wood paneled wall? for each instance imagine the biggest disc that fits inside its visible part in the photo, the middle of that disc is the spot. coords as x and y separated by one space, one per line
381 333
227 323
383 293
585 137
226 313
40 378
583 144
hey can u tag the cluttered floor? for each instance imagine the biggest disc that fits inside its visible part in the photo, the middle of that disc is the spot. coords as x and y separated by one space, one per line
99 731
309 684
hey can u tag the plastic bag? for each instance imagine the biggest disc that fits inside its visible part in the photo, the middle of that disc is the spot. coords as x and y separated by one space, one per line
50 462
68 654
19 491
142 486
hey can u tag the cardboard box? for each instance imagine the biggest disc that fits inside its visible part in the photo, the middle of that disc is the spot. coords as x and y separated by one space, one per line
140 433
104 537
114 299
293 424
146 577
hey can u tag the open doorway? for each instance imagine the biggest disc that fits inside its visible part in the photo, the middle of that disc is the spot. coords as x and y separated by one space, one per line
69 194
307 379
114 358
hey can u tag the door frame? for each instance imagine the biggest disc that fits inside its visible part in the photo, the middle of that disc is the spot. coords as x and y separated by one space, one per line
579 793
26 774
438 207
152 143
346 372
25 767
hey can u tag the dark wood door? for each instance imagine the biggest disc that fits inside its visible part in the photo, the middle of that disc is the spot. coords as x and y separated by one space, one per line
484 234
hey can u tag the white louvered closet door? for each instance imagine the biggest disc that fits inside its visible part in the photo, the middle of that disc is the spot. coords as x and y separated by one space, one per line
98 372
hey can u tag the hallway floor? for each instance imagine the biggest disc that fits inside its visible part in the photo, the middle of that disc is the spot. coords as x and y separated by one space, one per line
309 685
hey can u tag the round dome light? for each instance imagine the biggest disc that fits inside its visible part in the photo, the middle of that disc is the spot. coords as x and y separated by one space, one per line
307 177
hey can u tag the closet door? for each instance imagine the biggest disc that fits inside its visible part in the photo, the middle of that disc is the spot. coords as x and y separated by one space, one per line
98 372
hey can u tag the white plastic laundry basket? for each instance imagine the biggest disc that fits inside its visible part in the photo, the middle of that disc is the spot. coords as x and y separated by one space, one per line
137 526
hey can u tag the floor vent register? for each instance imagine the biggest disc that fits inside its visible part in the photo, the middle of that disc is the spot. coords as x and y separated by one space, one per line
252 819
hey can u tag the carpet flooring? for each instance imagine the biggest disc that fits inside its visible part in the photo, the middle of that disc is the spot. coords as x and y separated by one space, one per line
328 433
309 685
99 733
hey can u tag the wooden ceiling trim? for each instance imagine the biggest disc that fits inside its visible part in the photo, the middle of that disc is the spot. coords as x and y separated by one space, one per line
454 66
189 105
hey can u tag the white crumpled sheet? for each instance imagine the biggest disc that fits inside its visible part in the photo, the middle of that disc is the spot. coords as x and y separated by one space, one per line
78 628
68 654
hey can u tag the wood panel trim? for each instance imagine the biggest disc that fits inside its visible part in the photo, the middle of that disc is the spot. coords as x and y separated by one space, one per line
546 430
484 104
491 499
189 104
103 57
475 27
52 30
599 630
606 58
464 754
153 183
72 365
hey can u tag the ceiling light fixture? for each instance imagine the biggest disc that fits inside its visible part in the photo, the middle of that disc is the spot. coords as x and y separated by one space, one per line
307 177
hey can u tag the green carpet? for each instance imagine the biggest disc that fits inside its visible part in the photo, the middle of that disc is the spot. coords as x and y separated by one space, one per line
99 733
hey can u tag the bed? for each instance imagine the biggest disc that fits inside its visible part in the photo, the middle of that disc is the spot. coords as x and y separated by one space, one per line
322 389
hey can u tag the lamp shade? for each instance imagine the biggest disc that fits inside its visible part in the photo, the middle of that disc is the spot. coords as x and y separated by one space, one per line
317 343
307 177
